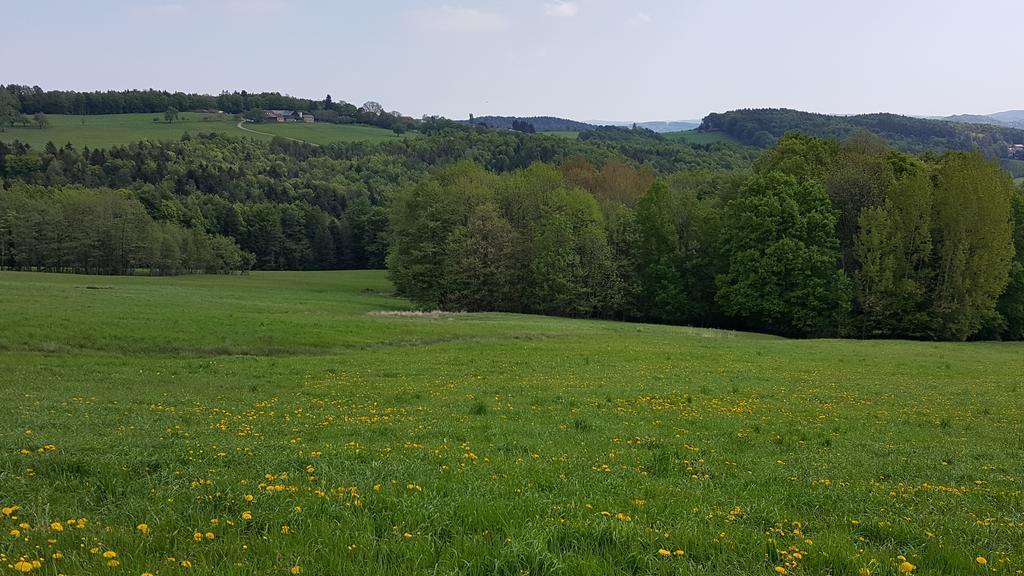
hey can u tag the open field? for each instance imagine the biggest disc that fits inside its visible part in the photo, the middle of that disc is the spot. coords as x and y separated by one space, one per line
694 137
103 131
327 133
308 423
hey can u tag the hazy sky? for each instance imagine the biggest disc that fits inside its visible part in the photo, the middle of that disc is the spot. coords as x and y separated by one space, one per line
585 59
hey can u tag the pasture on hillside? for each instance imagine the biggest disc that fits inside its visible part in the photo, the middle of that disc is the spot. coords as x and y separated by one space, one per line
104 131
311 423
326 133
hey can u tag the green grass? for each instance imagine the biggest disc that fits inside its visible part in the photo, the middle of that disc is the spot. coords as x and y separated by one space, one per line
328 133
498 444
104 131
694 137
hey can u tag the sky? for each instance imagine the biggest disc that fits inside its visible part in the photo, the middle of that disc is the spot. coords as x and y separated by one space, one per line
612 60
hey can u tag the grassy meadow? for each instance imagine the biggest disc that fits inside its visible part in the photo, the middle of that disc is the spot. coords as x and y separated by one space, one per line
310 423
104 131
327 133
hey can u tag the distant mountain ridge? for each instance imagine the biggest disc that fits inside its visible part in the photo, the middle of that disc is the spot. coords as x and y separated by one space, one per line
539 123
1009 118
555 124
660 126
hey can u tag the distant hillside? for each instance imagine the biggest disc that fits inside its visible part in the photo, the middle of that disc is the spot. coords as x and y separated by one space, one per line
1010 118
762 127
540 123
973 119
673 126
661 126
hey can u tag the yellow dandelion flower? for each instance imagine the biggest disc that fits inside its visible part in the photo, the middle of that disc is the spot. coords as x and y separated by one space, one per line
248 498
186 564
907 567
679 552
664 552
296 570
110 554
246 515
198 536
57 527
15 532
981 560
113 563
780 570
143 528
864 571
23 566
209 535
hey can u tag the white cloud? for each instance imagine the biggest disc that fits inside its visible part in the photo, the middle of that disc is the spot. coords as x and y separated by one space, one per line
639 19
454 19
561 9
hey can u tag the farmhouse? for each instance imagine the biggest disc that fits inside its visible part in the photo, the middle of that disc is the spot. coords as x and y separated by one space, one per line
287 116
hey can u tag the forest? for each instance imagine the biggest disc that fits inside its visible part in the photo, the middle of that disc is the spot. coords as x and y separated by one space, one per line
822 239
814 237
304 207
762 127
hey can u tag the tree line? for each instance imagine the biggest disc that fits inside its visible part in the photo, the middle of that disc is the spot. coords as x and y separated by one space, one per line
71 229
821 239
811 238
17 102
304 207
763 127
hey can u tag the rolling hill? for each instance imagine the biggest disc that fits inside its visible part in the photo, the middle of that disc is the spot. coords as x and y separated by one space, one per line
1010 118
106 130
540 123
762 127
554 124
